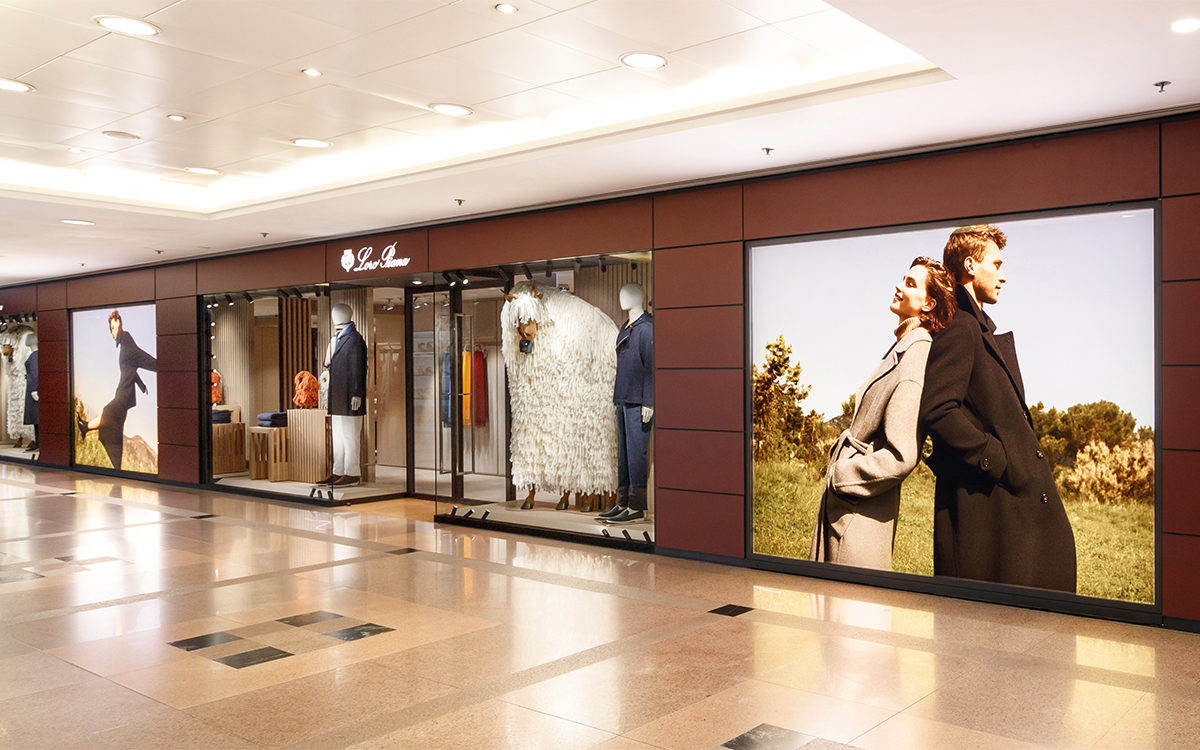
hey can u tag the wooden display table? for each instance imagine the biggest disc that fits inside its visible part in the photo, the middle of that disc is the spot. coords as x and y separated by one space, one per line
309 444
269 453
229 448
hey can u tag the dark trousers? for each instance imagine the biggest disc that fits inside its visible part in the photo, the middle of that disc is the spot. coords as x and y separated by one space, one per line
633 440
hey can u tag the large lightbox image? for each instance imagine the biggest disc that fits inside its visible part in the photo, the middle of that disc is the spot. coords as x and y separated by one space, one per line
115 386
1042 439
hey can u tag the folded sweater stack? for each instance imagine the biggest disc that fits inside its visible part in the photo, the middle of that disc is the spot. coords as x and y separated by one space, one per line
222 416
272 419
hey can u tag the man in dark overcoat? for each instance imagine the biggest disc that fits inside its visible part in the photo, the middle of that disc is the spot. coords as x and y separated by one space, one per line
997 513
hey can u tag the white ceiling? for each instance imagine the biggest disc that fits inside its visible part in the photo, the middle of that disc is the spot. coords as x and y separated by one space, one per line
557 118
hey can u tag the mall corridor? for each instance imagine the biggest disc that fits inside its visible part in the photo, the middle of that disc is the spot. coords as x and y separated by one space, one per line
134 615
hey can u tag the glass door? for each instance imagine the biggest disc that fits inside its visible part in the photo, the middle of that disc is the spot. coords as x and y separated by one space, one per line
434 360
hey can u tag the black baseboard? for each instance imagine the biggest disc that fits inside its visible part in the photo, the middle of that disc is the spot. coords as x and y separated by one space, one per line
564 536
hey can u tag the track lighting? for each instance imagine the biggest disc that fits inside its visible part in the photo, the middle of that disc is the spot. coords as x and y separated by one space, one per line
528 275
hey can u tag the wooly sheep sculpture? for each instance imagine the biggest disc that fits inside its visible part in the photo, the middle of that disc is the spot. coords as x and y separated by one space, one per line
564 430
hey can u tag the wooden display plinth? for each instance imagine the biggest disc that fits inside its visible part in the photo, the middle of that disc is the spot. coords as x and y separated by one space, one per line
269 453
229 448
309 443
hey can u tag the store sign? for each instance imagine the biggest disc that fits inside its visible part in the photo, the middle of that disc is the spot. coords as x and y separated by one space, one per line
362 261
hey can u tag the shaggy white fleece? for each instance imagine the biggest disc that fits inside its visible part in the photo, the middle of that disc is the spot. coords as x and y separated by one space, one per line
564 429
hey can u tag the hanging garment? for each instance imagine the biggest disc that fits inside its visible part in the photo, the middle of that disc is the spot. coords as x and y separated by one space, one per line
307 394
479 388
447 387
467 386
216 387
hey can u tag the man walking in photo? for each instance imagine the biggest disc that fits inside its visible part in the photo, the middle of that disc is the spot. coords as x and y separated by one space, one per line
997 513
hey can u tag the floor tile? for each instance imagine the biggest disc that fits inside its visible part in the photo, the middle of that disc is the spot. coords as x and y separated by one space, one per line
251 658
35 672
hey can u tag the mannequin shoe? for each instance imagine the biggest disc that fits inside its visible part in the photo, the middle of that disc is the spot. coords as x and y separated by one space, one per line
628 515
345 481
616 510
330 479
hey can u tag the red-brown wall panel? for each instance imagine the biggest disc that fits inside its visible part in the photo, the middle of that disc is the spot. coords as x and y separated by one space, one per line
176 316
178 427
1181 157
617 227
1114 165
700 522
52 295
53 418
52 326
18 299
1181 238
52 356
698 337
698 217
697 276
1181 323
175 281
179 463
1177 476
1181 410
701 461
293 266
1180 584
111 289
52 386
178 353
179 390
55 449
699 399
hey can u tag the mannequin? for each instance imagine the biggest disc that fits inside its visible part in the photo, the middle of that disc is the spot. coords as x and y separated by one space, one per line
31 388
346 361
633 398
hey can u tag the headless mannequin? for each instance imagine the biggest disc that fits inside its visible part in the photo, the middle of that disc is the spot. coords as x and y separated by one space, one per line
347 363
633 301
633 398
31 388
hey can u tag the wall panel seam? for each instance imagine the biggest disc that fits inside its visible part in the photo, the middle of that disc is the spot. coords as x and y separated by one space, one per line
699 492
697 307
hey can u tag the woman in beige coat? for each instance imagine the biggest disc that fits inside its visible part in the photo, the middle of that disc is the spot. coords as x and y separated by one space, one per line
856 521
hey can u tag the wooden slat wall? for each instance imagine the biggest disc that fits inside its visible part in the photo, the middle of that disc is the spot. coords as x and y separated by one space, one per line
295 344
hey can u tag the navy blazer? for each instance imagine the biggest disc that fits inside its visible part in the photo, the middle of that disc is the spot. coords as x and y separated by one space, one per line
635 363
348 374
31 385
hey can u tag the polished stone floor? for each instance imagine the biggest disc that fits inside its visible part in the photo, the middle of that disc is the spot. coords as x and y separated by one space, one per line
135 615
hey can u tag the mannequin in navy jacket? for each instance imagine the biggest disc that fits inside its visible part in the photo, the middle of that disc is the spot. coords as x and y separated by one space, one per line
347 363
633 397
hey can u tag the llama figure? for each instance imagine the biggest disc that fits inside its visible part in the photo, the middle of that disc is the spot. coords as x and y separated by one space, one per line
562 364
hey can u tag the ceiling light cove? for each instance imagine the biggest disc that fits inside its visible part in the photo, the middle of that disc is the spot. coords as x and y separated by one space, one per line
8 84
121 135
176 118
123 25
77 222
311 72
1186 25
643 60
76 150
454 110
506 8
201 170
310 143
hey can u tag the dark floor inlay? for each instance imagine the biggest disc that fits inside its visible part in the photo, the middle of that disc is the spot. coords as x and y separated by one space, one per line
204 641
15 566
731 610
299 621
250 658
769 737
24 576
401 551
67 558
359 631
199 518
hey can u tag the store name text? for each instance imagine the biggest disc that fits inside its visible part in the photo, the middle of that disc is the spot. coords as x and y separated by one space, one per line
354 263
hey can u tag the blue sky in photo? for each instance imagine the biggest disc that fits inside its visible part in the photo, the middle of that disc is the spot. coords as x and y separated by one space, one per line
1079 299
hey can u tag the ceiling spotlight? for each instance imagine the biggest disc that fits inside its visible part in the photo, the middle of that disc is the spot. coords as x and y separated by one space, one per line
78 222
1186 25
176 118
201 170
8 84
310 143
454 110
506 8
76 150
122 135
416 282
311 72
643 60
123 25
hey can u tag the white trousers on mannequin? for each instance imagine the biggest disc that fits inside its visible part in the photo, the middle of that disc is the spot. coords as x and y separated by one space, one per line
347 437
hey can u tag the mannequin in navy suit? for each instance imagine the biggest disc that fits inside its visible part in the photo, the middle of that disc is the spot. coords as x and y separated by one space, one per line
633 398
347 363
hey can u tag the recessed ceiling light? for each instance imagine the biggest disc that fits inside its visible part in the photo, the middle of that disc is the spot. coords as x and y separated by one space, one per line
80 222
454 110
417 281
176 118
122 135
202 170
311 72
76 150
1186 25
8 84
506 8
643 60
310 143
123 25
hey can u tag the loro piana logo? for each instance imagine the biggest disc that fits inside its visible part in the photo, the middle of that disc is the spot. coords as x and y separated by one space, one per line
347 259
387 259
